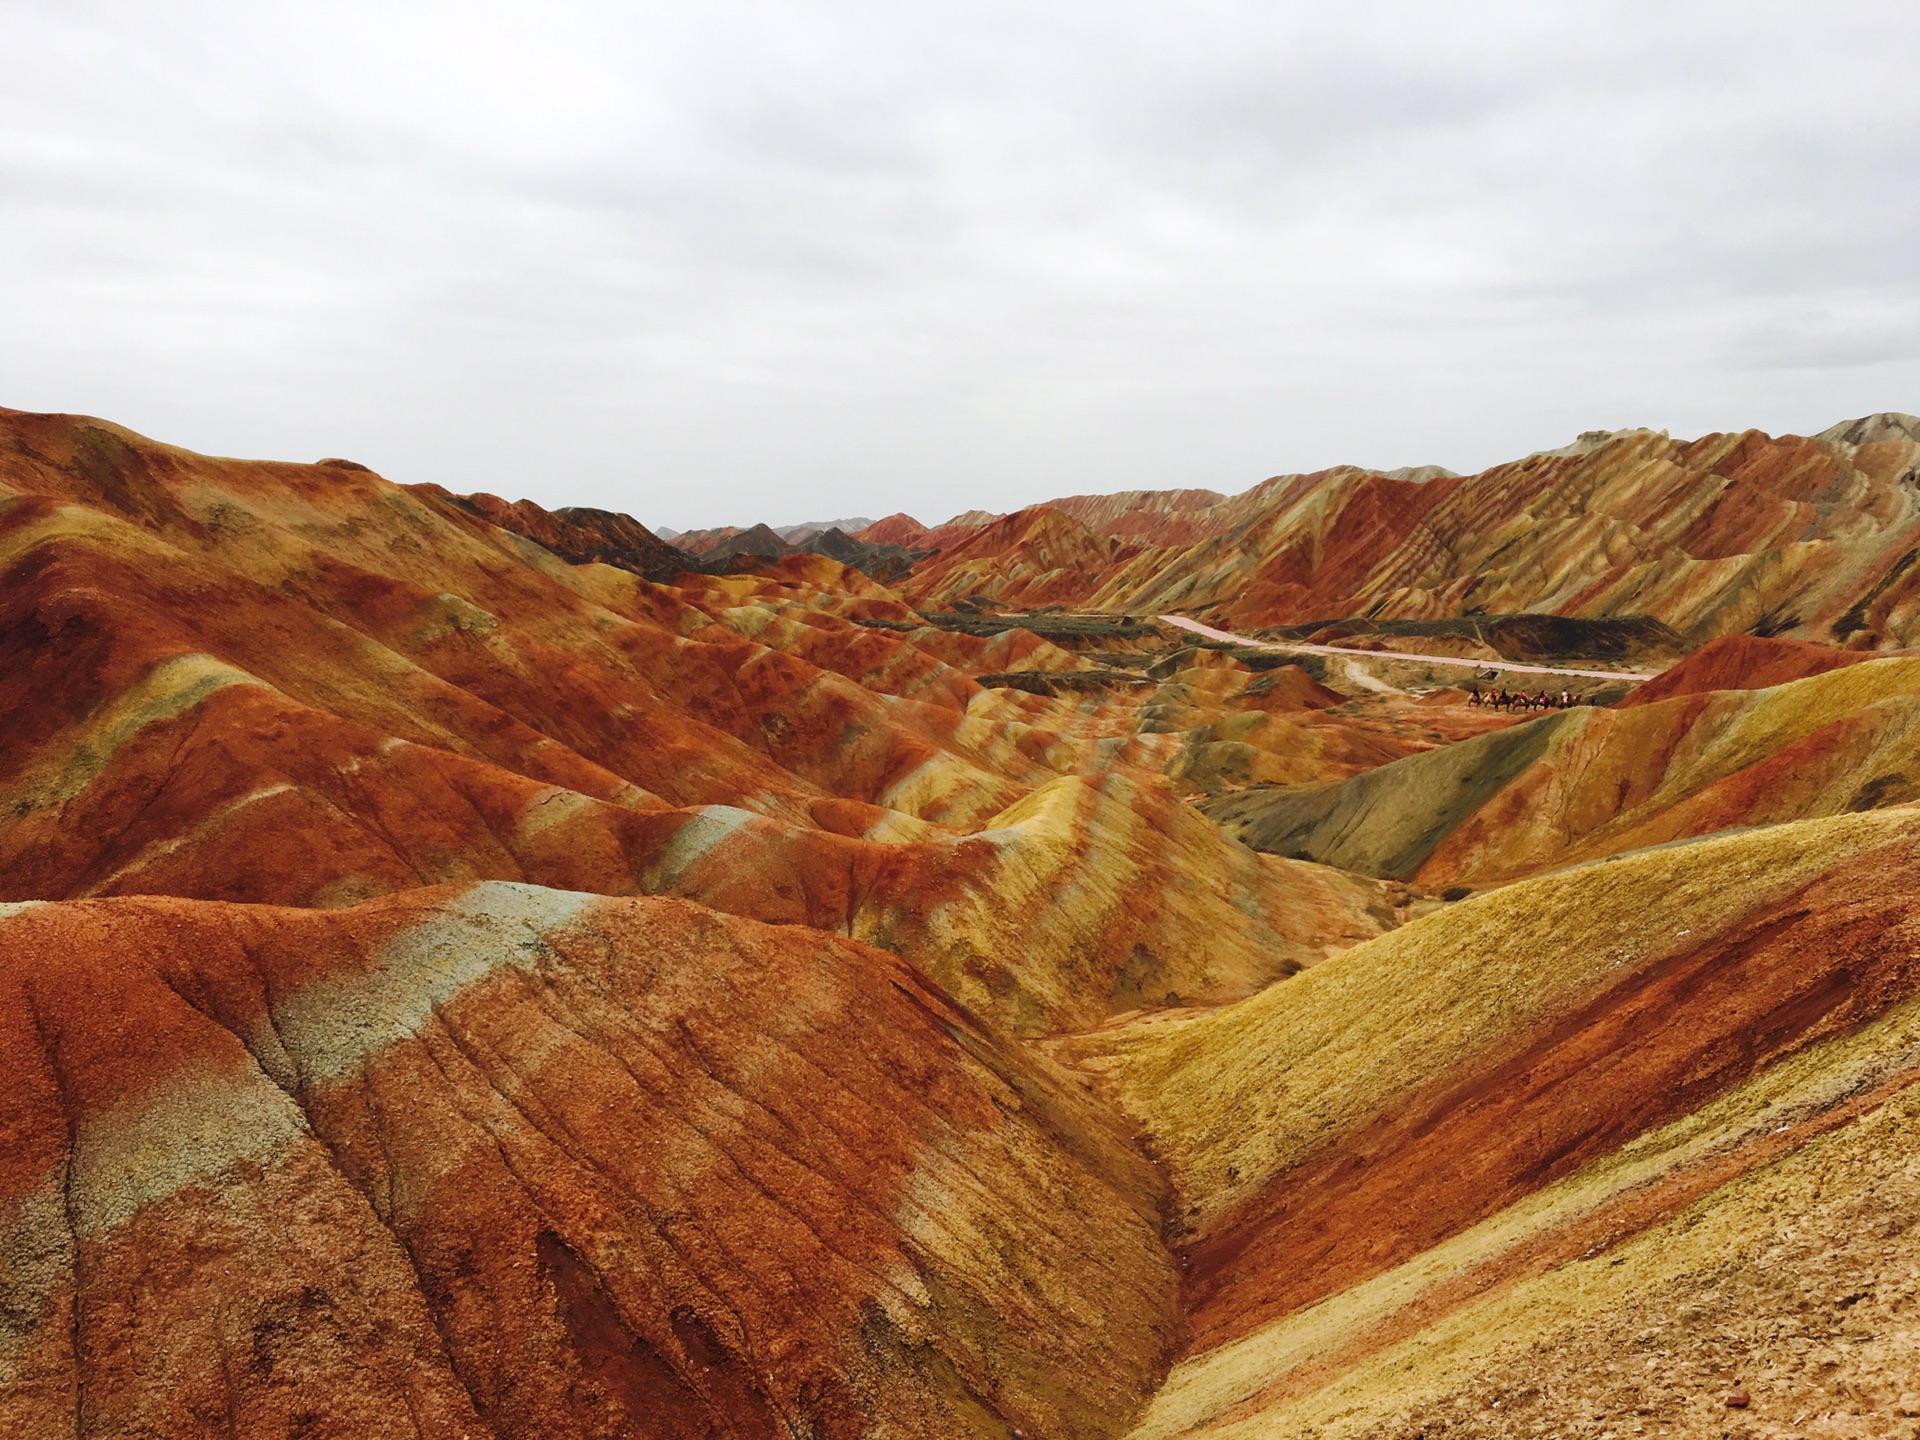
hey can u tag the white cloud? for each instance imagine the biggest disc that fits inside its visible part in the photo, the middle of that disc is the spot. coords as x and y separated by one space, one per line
748 261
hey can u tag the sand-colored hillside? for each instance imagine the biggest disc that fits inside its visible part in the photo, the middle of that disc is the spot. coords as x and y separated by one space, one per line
1549 1116
1236 1095
1784 1270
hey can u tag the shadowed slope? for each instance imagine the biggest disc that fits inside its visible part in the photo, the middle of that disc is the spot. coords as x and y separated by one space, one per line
1388 821
578 535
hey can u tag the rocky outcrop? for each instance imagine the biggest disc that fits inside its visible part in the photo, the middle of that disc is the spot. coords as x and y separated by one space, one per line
578 535
888 564
732 551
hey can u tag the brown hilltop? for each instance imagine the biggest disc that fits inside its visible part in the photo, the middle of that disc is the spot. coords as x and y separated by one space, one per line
474 970
896 529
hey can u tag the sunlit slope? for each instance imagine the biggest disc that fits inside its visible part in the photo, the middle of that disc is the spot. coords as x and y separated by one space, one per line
1097 897
1741 662
1499 1090
511 1161
1590 782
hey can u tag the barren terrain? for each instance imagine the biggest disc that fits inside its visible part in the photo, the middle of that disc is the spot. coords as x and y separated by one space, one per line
475 970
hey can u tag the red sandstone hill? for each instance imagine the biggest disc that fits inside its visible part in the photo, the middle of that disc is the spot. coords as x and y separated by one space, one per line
1034 557
1806 537
1743 662
699 542
499 1160
465 973
1160 517
896 529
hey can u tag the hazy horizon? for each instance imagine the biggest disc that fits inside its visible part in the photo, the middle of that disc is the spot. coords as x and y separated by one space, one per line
781 522
772 262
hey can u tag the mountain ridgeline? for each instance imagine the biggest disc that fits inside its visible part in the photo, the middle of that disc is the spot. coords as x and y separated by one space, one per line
1811 538
475 970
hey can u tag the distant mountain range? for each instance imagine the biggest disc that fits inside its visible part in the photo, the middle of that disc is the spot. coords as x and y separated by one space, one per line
700 541
1813 537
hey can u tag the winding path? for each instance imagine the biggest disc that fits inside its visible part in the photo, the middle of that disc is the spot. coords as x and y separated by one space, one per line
1212 634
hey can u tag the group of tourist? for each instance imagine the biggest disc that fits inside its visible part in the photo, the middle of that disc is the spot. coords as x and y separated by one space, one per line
1521 700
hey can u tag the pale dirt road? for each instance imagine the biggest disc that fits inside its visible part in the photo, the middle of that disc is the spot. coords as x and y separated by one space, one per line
1212 634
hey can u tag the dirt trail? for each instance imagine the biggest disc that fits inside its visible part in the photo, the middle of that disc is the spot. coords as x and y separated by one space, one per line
1197 628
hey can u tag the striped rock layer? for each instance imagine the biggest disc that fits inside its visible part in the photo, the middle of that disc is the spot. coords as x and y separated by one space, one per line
305 685
1597 1149
503 1160
462 975
1810 537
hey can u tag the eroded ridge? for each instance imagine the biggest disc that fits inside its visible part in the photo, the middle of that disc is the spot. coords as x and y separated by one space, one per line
510 1161
475 970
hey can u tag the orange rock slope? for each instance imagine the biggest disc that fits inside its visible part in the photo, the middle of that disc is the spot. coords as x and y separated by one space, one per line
1809 537
463 974
499 1160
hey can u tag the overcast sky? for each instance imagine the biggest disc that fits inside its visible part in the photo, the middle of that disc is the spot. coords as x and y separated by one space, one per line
723 262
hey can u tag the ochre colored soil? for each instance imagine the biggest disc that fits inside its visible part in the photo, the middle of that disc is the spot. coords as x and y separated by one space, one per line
1668 1038
464 973
1742 662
